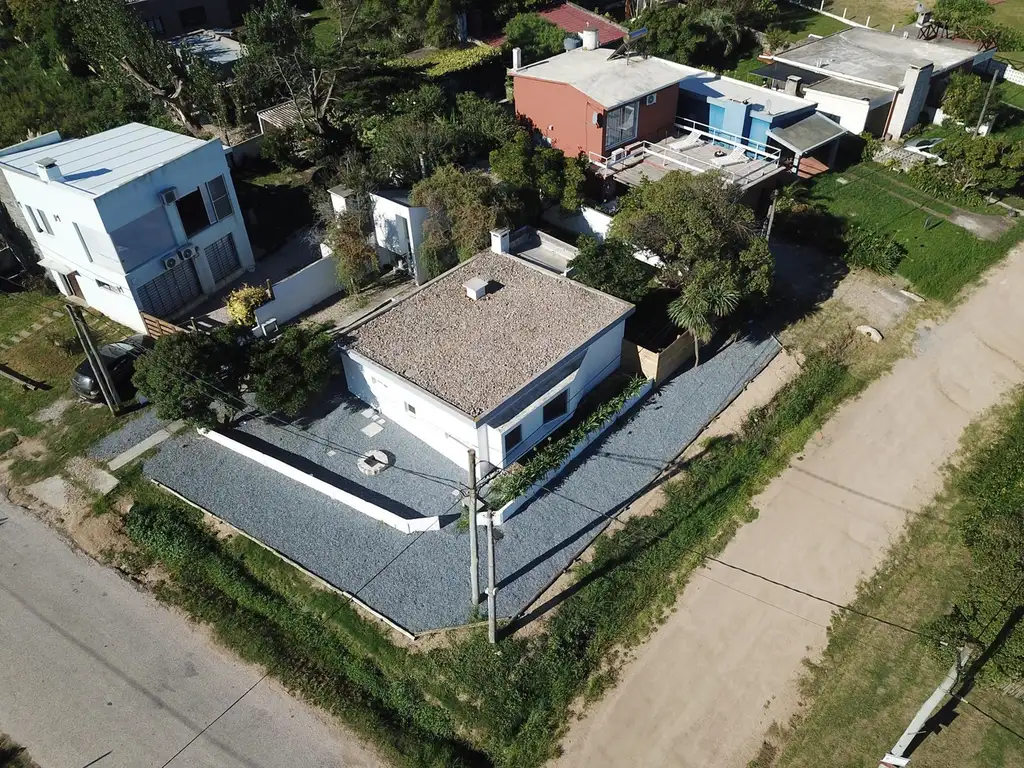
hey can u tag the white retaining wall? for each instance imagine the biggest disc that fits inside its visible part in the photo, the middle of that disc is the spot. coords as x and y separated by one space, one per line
503 514
297 293
360 505
588 221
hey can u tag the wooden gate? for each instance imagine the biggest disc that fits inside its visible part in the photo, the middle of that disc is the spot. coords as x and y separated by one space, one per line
156 327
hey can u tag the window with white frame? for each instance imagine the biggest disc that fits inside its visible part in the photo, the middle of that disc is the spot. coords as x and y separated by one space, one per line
220 200
620 125
650 99
410 409
44 221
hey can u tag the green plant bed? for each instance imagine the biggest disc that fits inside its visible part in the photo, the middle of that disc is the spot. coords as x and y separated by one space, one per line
465 704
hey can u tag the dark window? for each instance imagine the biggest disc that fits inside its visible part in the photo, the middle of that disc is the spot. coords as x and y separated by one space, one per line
193 17
156 25
192 210
219 198
556 407
513 438
410 408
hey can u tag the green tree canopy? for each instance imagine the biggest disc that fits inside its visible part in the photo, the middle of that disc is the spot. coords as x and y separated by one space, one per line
696 33
115 43
707 241
984 163
347 236
965 97
186 374
462 208
289 372
537 37
611 267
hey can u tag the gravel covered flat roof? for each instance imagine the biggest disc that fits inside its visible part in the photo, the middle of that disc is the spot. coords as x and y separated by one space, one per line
474 355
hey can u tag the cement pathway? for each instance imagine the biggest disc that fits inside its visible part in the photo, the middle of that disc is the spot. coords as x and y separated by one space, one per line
726 663
95 672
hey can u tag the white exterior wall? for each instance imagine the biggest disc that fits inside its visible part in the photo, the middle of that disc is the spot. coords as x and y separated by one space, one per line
392 235
297 293
852 113
436 423
601 360
586 221
66 206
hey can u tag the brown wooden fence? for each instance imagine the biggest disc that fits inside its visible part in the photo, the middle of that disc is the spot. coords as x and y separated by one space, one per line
156 327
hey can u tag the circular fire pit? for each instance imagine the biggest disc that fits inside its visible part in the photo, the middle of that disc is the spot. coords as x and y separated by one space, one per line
373 462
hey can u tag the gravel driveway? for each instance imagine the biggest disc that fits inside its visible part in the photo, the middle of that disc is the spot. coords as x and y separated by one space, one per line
422 582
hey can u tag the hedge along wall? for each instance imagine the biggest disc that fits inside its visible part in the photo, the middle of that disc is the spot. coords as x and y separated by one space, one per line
506 511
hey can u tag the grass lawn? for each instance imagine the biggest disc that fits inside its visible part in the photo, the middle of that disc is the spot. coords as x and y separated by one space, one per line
37 357
941 259
325 26
873 677
798 23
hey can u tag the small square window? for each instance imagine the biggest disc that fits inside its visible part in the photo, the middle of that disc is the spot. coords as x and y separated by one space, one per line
556 407
45 222
652 98
513 437
409 408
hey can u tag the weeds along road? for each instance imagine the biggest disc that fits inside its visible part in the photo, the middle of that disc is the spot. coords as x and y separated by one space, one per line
94 671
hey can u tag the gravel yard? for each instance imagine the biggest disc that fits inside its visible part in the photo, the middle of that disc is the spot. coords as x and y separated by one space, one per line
421 582
131 434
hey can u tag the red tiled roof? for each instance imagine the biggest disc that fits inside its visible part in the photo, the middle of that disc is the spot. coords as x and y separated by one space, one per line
574 19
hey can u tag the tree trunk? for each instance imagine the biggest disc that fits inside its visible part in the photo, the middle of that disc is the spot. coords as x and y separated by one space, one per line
696 352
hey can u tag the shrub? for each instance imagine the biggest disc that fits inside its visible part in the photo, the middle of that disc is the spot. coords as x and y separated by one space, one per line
872 145
243 302
286 374
67 345
965 97
611 267
876 251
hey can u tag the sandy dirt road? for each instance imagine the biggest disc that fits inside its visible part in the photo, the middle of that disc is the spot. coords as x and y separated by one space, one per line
726 663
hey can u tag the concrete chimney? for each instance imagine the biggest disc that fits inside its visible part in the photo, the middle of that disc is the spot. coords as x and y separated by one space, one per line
590 40
907 109
342 199
48 169
793 85
500 240
517 59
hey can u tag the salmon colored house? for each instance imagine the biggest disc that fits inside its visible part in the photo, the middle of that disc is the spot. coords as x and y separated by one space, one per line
590 100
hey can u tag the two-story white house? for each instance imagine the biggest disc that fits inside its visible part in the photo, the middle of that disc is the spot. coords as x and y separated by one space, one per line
134 219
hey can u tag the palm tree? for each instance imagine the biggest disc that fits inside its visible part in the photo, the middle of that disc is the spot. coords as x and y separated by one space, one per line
710 294
721 22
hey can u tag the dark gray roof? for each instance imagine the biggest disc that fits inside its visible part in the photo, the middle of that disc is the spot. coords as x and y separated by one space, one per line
808 134
474 355
779 71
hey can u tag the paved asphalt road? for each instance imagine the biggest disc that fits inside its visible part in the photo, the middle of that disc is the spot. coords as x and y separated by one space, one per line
94 672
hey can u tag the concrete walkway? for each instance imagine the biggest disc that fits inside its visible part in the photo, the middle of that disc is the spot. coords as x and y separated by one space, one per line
94 672
726 663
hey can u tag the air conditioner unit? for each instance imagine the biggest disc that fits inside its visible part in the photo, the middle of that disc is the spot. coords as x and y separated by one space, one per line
618 154
168 196
170 262
188 251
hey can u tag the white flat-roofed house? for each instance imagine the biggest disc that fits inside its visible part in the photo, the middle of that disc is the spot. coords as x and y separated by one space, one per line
494 355
134 219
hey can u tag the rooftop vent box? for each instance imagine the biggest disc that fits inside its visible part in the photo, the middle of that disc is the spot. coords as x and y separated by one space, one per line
476 288
48 169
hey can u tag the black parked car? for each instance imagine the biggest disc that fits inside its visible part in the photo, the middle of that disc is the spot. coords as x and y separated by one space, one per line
120 360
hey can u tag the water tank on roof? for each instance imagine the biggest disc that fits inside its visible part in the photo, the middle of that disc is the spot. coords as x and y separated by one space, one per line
572 42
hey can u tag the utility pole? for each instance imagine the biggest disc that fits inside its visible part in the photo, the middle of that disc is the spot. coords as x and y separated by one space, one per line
474 553
896 757
771 215
988 95
492 591
99 368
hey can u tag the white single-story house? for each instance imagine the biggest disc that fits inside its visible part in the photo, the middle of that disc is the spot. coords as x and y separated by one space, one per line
130 220
870 80
493 355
